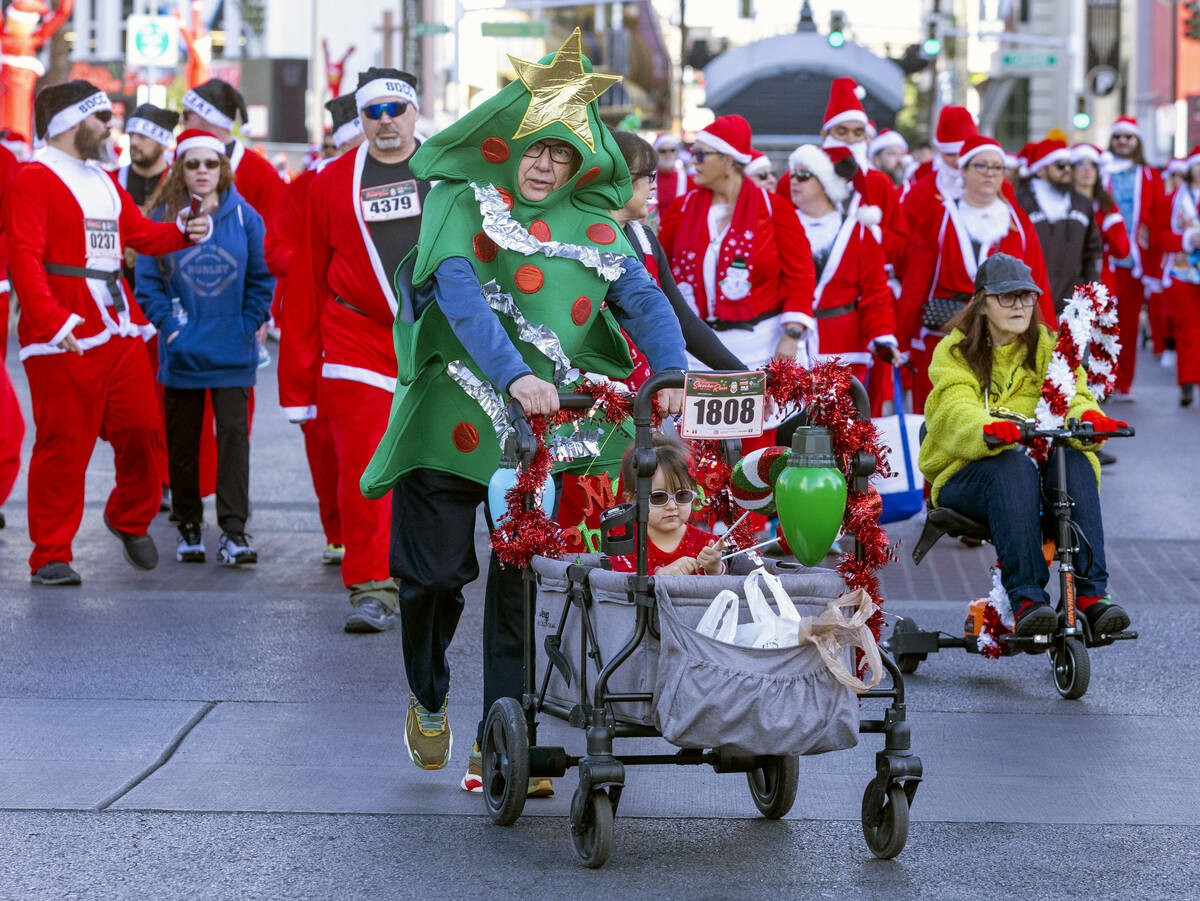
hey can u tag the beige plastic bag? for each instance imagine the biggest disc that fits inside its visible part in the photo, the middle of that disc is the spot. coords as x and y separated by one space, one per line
832 632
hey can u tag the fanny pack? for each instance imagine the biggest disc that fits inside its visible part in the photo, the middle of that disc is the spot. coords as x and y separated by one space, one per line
937 311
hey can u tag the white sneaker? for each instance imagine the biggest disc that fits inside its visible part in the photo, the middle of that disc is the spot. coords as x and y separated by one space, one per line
1167 360
190 548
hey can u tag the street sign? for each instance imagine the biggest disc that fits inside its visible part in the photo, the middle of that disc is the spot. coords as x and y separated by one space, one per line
152 41
424 29
1029 60
515 29
1102 81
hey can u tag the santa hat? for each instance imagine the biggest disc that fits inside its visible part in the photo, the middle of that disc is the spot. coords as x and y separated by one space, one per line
839 175
1193 159
28 12
955 127
1047 153
1012 161
975 146
377 83
664 139
346 124
1089 152
153 122
729 135
1127 125
872 130
759 162
845 103
216 102
60 107
887 138
196 139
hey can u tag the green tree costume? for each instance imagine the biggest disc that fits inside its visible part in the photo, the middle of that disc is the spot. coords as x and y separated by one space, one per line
545 267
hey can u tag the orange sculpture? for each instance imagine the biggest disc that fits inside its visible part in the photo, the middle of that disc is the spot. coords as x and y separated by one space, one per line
21 37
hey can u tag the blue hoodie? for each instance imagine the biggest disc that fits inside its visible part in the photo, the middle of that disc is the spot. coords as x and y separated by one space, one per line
208 301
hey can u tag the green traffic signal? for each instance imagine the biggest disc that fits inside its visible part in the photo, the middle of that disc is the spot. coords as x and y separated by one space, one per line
931 47
1081 121
836 39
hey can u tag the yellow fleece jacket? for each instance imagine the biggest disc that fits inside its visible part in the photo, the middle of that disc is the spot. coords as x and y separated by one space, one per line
955 412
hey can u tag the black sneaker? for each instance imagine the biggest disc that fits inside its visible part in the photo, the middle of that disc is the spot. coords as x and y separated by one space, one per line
1186 394
1104 617
234 549
56 573
3 522
1104 458
370 615
140 551
190 548
1037 619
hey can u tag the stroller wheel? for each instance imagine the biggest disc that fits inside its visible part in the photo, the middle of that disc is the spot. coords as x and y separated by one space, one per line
505 761
592 835
773 786
1072 669
886 828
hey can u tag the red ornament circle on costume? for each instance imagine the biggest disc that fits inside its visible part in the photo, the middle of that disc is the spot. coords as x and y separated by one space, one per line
529 278
540 230
601 233
506 196
466 437
485 248
590 176
581 310
494 150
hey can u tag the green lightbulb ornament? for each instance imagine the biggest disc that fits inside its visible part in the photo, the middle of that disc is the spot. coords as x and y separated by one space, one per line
810 495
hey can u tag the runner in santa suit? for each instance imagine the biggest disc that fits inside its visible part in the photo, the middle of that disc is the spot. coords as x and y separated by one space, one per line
285 233
852 302
671 179
1138 192
1181 278
922 202
946 254
364 217
1085 165
12 424
81 331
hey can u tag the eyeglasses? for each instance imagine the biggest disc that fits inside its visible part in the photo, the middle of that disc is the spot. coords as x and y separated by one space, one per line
634 176
683 497
762 176
559 153
1061 165
209 163
1124 137
701 155
987 168
392 109
801 175
1016 299
668 149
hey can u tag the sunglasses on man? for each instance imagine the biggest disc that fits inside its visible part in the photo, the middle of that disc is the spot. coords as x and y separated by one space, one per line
392 109
196 164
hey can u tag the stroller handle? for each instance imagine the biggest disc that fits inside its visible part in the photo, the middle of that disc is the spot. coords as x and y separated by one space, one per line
524 444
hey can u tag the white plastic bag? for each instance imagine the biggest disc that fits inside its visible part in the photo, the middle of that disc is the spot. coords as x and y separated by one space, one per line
767 629
720 619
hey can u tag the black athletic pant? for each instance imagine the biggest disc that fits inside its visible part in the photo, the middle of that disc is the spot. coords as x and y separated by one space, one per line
432 556
184 413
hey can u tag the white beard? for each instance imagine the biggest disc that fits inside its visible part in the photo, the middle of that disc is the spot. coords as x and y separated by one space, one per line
949 180
858 151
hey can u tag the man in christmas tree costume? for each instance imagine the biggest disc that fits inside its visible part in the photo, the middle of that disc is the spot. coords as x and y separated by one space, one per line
522 277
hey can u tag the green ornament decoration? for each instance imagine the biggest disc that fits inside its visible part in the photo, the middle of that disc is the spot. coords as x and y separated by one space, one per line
810 495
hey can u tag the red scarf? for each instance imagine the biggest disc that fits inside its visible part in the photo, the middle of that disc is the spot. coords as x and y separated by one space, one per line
751 217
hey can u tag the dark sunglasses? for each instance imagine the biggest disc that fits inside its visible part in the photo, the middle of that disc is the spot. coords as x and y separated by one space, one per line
683 497
392 109
1060 165
801 175
701 155
196 164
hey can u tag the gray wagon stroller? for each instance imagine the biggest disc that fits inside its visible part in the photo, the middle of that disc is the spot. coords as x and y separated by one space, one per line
621 658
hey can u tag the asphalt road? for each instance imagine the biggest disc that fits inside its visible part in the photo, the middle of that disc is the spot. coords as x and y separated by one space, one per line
206 733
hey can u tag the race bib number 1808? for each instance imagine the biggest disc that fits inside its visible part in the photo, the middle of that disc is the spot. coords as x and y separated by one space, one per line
383 203
723 405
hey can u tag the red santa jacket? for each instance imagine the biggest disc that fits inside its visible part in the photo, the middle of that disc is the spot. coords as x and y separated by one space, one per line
1150 209
671 185
45 223
770 243
8 168
340 263
256 180
1113 233
942 264
853 303
300 341
922 202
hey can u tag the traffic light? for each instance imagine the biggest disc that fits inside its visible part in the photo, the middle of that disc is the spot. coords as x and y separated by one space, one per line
837 29
1191 25
932 45
1082 118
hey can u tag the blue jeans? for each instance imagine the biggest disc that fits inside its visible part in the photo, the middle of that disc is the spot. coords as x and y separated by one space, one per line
1005 492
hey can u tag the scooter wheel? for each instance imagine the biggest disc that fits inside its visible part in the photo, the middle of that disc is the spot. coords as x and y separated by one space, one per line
505 761
593 839
774 785
886 829
1072 669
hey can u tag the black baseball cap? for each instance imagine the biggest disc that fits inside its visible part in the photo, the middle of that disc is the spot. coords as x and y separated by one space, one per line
1004 274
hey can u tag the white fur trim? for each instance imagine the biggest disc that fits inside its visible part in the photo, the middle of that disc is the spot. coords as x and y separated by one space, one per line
762 163
1085 152
1049 160
886 140
720 145
964 158
358 374
870 216
947 146
299 414
206 111
1193 160
200 142
385 87
348 132
66 119
31 63
813 158
146 128
850 115
1127 128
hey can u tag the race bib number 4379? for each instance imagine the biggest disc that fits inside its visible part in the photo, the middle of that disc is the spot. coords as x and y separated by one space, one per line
102 238
723 405
383 203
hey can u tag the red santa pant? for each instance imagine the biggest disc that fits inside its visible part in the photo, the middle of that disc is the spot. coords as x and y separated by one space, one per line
106 393
1185 312
358 416
323 464
1162 325
1130 296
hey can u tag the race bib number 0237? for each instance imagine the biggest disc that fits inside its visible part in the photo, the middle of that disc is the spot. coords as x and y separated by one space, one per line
103 238
395 201
726 405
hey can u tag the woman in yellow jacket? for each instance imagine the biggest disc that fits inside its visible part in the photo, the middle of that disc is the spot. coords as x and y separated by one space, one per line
988 371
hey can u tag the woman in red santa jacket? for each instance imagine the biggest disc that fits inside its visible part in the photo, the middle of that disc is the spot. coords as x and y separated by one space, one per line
1085 165
1181 278
853 303
945 256
739 255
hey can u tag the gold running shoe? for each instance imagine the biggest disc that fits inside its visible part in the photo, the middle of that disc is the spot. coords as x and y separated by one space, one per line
427 735
539 786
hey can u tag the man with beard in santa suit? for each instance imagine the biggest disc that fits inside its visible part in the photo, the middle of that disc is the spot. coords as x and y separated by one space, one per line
299 345
364 216
81 330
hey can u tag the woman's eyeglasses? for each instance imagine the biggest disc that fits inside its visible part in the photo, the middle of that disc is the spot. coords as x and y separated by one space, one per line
701 155
392 108
683 497
196 164
559 153
1016 299
987 168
